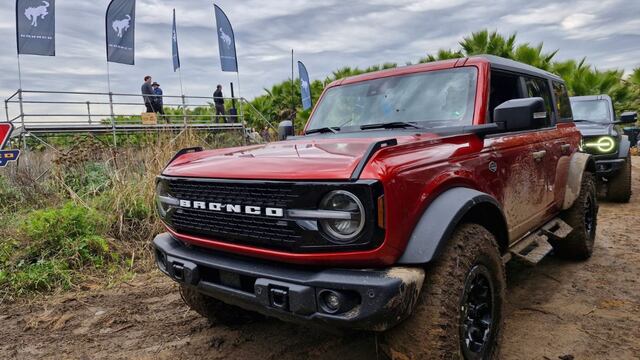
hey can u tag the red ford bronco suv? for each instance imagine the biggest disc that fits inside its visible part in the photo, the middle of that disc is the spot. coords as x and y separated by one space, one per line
395 212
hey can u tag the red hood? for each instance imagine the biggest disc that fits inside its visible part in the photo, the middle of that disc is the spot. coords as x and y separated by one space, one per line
303 159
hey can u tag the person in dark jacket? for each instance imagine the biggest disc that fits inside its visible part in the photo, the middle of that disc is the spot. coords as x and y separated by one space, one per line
218 100
147 89
158 103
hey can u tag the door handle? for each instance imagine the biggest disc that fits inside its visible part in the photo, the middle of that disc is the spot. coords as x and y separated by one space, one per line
539 155
565 148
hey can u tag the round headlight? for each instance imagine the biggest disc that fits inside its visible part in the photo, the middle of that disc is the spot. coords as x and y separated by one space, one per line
605 144
343 231
164 201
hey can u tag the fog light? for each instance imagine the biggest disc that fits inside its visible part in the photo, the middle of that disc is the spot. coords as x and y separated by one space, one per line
331 302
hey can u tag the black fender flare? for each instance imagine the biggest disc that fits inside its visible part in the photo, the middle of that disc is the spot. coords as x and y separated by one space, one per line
625 147
579 163
441 218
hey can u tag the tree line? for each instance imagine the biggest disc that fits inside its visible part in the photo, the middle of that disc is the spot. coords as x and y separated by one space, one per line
581 78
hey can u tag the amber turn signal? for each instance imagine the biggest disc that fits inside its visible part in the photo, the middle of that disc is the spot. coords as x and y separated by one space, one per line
381 222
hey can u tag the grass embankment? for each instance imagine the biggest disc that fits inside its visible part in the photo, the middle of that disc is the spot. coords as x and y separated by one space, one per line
89 220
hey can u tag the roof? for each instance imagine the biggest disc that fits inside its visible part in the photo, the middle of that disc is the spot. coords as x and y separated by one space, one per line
495 62
511 65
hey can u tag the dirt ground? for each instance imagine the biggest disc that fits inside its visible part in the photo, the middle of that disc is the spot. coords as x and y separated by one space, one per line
588 310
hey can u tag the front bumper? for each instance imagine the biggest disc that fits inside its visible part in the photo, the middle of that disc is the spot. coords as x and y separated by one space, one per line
609 167
369 299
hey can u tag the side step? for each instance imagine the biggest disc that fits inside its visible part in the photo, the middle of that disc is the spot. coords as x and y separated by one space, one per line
533 248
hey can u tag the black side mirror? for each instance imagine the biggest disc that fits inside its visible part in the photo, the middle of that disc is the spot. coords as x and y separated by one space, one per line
521 114
628 117
285 129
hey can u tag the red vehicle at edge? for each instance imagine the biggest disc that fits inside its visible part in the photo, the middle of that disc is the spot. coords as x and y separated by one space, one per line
396 211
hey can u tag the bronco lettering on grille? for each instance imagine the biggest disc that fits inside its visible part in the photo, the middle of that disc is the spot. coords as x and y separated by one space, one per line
232 208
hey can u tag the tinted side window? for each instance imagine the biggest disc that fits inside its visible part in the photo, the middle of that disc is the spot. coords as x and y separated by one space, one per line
562 97
504 87
540 88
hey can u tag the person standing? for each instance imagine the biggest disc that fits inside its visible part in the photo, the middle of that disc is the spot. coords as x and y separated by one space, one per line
266 136
147 90
218 100
158 104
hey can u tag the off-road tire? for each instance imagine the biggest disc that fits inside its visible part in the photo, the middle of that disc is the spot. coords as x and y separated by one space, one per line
434 330
578 245
619 188
216 311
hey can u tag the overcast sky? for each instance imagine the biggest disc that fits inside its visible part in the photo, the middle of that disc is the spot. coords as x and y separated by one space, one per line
325 34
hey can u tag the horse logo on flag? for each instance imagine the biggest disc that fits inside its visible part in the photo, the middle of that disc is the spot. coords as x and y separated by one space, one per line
305 85
121 26
225 38
6 155
33 13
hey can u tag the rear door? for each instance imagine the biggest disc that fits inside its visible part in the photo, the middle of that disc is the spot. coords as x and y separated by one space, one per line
551 139
568 142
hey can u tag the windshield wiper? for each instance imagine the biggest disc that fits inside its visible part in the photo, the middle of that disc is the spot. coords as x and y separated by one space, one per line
332 129
592 121
391 125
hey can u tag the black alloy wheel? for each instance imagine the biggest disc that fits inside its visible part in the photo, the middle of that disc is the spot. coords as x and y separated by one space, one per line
477 313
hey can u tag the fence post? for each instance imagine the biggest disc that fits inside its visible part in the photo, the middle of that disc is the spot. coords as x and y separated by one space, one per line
113 120
89 111
24 138
184 110
6 109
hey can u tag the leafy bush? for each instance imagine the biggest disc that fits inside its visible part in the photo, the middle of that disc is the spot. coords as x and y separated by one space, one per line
69 233
91 178
60 244
45 275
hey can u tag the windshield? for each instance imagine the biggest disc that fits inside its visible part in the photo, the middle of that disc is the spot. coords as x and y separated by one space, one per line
430 99
591 110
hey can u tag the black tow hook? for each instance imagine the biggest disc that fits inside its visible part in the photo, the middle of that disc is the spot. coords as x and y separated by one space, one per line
279 298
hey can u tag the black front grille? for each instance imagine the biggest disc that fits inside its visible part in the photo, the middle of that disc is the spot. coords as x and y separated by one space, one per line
238 228
273 195
261 230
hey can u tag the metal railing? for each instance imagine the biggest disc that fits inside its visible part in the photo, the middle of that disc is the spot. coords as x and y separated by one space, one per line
83 111
48 113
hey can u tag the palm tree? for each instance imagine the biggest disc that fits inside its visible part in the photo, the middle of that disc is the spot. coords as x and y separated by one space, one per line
493 43
534 56
634 78
442 55
483 42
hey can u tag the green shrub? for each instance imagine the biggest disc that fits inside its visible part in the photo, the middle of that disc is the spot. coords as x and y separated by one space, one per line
45 275
54 225
8 248
58 246
69 232
91 178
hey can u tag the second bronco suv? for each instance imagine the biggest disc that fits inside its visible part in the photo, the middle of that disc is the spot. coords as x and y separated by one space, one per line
595 116
395 212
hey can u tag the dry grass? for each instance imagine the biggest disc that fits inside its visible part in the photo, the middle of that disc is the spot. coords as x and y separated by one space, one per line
119 185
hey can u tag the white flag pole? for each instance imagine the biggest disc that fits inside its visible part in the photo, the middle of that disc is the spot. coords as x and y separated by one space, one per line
108 77
180 77
19 73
